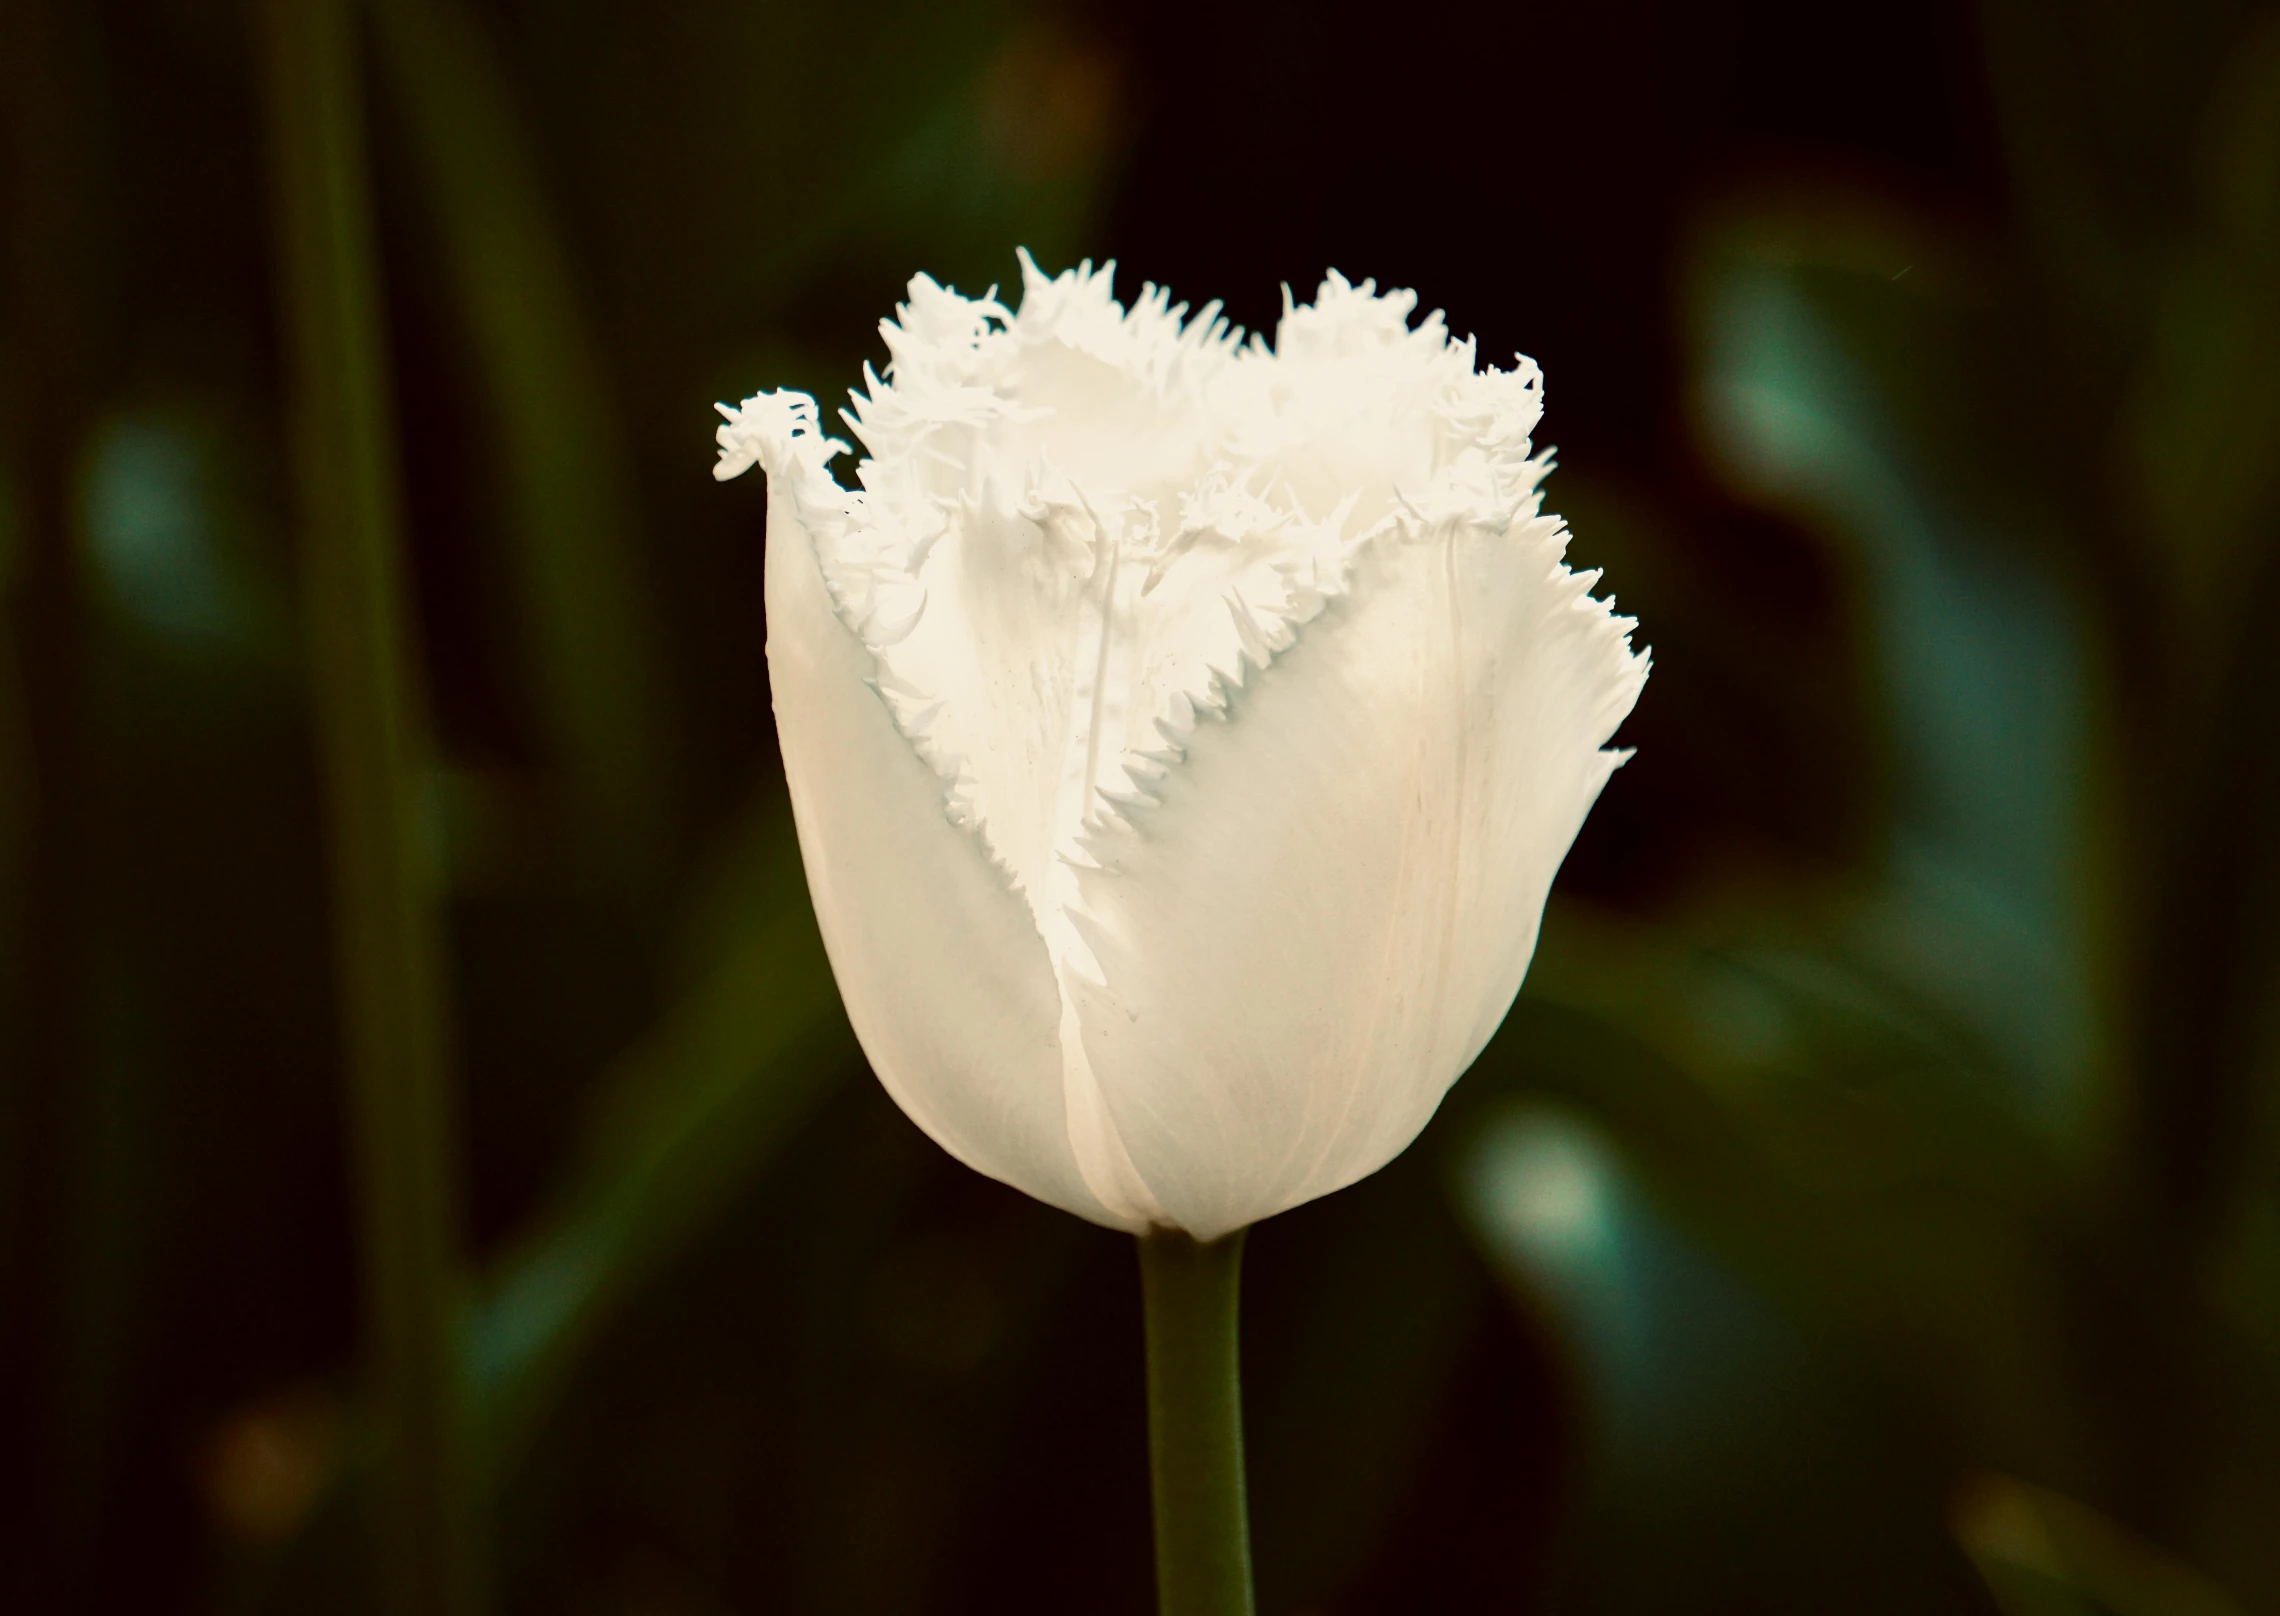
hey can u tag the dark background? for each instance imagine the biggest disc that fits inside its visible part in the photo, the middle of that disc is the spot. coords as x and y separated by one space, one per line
1871 1203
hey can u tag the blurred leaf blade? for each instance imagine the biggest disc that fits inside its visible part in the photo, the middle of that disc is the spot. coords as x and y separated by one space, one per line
2198 429
688 1118
1909 1216
2065 1548
1824 384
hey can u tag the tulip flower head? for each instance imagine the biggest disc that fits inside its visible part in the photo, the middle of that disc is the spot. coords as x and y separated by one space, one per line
1182 731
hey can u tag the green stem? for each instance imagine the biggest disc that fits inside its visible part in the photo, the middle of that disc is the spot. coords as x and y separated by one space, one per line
371 749
1195 1424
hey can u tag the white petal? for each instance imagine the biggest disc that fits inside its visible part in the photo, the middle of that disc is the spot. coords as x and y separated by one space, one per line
939 961
1326 914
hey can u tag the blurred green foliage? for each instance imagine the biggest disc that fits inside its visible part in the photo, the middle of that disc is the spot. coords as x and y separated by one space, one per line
1881 1211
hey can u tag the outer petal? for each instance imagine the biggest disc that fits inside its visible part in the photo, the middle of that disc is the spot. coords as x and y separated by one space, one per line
944 975
1316 929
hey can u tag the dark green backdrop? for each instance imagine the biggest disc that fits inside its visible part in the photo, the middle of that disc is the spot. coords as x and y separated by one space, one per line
1873 1203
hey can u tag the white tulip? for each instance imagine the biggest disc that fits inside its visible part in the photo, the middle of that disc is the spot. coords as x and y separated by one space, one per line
1182 733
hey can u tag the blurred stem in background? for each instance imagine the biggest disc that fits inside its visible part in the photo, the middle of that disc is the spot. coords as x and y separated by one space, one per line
370 742
55 356
1193 1296
586 635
